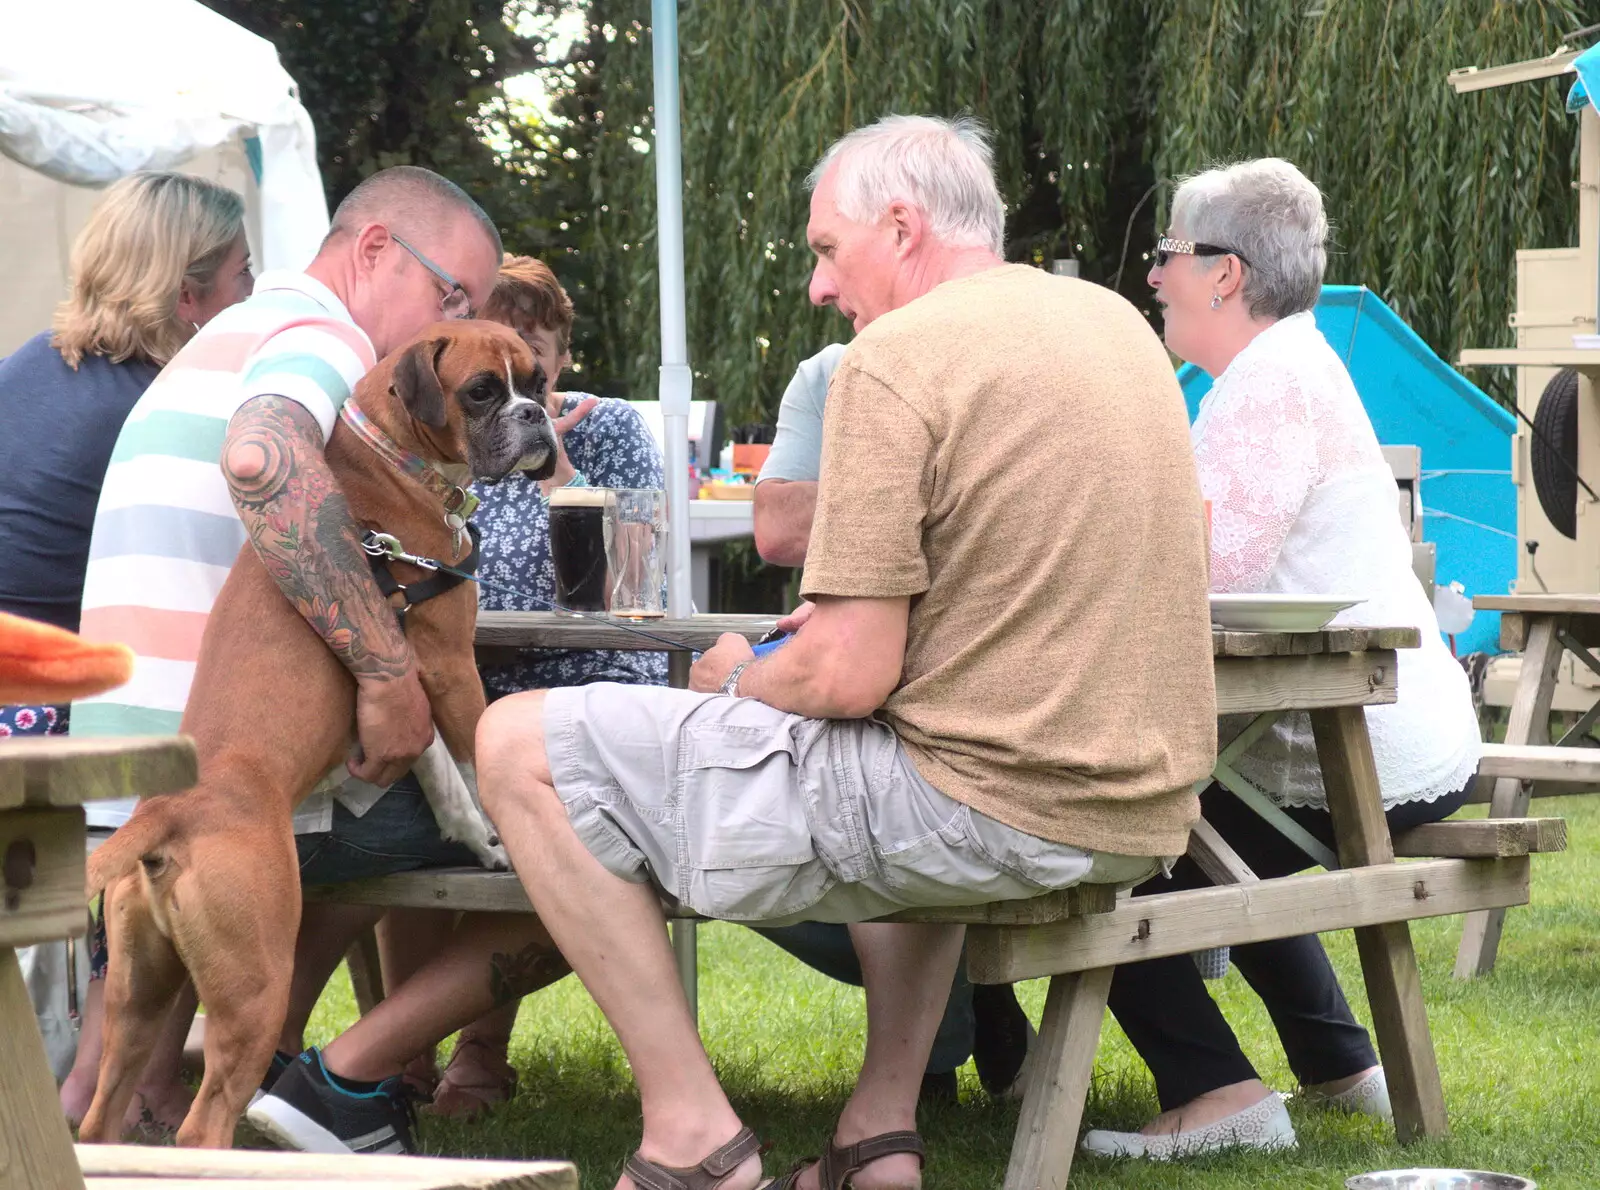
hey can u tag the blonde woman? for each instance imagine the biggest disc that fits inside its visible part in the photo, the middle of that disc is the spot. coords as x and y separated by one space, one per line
162 254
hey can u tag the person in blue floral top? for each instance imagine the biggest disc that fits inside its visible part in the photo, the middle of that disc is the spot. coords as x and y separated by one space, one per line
603 443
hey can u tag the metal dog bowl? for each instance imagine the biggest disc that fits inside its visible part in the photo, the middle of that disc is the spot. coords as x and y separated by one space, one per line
1439 1179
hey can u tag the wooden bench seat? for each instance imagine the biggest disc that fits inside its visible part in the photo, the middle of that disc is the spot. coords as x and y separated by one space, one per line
143 1167
1079 936
1482 838
473 889
1578 767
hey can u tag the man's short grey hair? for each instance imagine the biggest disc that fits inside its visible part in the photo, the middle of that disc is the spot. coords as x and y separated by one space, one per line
408 199
1271 214
944 168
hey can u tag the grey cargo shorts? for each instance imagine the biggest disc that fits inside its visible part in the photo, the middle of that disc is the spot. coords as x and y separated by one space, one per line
747 813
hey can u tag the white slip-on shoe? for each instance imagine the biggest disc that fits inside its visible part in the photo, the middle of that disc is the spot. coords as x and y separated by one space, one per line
1264 1126
1369 1097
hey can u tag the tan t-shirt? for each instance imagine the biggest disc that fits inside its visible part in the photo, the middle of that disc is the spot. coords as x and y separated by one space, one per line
1011 451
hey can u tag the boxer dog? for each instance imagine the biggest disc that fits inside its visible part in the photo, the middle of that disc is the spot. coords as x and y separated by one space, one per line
206 883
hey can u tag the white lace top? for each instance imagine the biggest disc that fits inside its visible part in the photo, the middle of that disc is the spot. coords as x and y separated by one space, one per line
1303 502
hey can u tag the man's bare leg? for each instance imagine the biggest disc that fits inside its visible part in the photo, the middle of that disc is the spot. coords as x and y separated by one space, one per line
326 932
491 959
407 938
614 935
907 971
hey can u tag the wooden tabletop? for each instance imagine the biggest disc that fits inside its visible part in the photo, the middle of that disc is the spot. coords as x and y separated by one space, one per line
1550 605
68 770
548 630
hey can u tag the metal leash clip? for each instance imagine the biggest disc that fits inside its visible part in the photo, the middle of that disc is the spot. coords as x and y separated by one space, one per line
387 545
382 545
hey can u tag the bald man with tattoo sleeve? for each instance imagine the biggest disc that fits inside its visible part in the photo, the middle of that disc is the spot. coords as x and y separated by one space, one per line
225 447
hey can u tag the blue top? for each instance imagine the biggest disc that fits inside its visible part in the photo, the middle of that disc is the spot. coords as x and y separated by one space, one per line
57 429
797 448
614 448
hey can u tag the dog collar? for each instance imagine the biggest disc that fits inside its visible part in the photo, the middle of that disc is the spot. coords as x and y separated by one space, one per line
459 503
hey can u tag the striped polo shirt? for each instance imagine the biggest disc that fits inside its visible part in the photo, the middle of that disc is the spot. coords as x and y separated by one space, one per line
166 531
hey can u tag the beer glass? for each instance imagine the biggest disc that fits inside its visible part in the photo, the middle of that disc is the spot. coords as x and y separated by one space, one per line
578 547
636 547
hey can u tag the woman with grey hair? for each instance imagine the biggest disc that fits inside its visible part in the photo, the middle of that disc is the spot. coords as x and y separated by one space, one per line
1302 503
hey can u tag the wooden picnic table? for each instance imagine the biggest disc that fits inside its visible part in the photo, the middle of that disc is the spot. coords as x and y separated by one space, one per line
1543 628
44 782
1077 937
1332 673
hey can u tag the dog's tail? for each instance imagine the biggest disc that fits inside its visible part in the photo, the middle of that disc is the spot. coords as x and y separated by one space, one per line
141 838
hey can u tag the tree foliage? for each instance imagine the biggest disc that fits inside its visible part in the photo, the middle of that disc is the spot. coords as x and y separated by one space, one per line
1092 102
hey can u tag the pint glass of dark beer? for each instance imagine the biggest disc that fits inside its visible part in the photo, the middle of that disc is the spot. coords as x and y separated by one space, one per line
578 547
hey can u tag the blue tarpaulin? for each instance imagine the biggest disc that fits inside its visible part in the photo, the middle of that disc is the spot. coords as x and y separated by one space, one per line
1416 399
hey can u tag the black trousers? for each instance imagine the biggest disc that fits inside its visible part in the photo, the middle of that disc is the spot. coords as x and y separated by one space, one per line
1164 1008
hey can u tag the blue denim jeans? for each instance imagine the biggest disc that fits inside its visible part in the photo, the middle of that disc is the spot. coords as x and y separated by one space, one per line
398 834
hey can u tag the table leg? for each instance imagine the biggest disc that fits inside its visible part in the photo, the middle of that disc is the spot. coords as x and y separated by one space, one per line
1388 962
685 935
1058 1081
1529 723
700 576
365 966
35 1145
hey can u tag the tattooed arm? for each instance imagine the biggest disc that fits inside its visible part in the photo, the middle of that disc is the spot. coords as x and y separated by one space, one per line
301 527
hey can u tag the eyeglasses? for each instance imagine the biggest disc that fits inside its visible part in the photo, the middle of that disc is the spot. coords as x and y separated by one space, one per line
456 303
1167 248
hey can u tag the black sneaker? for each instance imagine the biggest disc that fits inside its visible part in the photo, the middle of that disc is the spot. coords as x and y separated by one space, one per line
1001 1038
280 1062
305 1110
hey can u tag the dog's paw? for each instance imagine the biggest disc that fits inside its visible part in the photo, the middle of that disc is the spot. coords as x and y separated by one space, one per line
493 857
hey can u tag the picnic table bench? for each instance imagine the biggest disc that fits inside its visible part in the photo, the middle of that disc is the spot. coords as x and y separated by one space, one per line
1078 936
144 1167
44 781
1543 628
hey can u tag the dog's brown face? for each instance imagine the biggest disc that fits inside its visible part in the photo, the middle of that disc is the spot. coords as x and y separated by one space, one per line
476 392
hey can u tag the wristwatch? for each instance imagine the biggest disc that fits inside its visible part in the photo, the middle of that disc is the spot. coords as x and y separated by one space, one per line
730 684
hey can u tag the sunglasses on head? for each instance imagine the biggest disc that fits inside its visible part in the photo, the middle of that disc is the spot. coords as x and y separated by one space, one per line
1167 248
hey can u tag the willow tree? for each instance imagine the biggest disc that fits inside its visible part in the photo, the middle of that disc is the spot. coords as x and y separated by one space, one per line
1095 105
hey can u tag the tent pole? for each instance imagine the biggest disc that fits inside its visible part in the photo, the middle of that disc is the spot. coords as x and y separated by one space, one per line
676 382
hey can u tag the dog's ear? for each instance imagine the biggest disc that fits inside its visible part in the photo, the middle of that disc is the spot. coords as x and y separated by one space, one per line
416 382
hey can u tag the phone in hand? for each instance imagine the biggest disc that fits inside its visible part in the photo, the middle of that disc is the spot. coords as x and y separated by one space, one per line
772 641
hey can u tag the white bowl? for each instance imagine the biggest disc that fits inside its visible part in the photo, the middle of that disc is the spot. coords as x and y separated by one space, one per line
1439 1179
1260 612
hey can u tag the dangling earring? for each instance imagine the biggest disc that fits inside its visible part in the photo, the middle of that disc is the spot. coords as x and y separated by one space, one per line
1216 300
196 326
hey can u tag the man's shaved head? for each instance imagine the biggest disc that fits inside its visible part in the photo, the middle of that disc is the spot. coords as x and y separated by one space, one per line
408 199
405 245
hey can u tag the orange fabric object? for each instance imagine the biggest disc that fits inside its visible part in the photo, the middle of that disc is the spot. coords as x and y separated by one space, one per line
40 663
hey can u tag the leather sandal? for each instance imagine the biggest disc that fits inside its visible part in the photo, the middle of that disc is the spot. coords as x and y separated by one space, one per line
470 1088
708 1175
837 1164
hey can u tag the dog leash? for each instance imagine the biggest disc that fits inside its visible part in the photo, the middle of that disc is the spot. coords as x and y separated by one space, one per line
387 545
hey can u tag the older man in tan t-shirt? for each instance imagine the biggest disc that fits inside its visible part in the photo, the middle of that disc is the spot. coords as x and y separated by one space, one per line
1002 685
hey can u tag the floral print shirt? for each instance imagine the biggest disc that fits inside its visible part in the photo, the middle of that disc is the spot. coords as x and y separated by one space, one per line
613 448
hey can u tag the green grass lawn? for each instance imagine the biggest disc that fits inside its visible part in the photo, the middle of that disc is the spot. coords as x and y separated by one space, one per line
1520 1053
